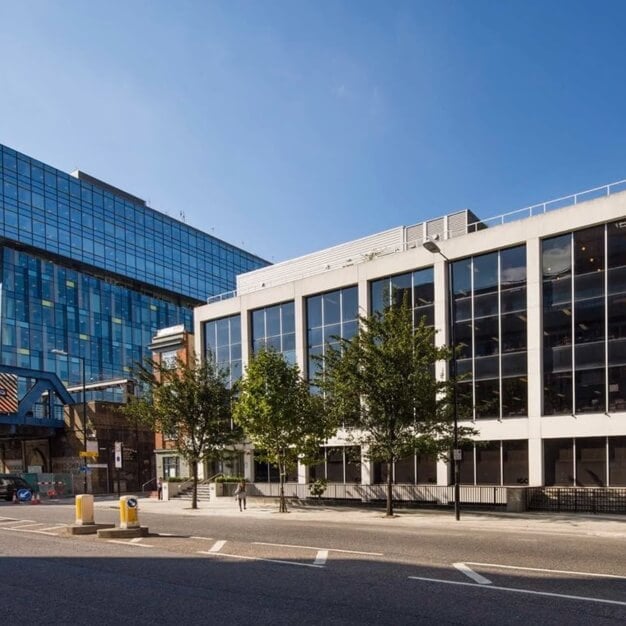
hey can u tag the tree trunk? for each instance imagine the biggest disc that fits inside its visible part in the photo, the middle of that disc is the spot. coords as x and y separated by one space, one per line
389 489
282 507
194 491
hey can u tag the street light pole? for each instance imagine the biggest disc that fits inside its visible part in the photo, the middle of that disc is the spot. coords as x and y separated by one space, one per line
432 246
84 406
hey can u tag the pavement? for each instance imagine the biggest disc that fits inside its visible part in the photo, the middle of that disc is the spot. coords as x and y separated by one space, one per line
610 526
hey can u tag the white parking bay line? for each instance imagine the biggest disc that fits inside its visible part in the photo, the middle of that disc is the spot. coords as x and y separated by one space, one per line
514 590
321 558
290 545
55 527
553 571
217 546
481 580
203 538
129 543
256 558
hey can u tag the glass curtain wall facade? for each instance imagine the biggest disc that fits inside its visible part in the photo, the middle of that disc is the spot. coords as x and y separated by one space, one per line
584 321
490 327
274 328
222 343
48 306
93 271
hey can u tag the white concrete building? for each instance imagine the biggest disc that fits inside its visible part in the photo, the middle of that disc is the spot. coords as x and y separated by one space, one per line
540 318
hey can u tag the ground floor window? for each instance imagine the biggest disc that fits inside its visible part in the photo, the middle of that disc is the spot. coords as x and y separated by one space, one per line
413 469
338 464
171 467
585 461
494 463
265 472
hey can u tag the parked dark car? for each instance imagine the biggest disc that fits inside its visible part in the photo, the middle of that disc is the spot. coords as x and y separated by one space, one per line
10 484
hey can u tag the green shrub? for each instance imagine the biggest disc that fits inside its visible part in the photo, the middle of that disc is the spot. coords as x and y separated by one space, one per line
229 479
318 487
175 479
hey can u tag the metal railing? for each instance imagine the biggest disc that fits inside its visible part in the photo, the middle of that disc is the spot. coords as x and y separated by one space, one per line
577 499
471 227
549 205
152 480
401 493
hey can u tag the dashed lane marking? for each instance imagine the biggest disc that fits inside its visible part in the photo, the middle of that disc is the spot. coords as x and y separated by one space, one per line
256 558
129 543
321 558
289 545
470 573
514 590
203 538
217 546
553 571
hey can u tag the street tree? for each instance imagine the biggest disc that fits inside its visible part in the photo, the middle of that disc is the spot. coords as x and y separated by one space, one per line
382 384
190 403
279 415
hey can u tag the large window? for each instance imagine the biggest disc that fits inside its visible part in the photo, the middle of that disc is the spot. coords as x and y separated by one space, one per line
329 316
274 328
417 288
222 343
338 464
495 463
584 321
585 461
490 334
413 469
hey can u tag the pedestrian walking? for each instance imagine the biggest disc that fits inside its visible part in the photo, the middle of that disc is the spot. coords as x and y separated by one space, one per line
160 489
240 495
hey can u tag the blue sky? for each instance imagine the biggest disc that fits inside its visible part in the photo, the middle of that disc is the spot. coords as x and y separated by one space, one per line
286 127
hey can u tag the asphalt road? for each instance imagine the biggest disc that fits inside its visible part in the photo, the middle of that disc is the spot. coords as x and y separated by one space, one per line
237 569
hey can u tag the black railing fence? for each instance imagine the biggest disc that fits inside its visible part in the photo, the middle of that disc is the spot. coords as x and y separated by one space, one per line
577 499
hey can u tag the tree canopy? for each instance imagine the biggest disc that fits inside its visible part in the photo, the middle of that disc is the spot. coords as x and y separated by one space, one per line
191 405
279 415
382 382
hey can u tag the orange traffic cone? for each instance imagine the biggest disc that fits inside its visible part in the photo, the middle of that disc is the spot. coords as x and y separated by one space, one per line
35 499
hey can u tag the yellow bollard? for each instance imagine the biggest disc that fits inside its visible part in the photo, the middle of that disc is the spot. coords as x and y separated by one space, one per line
129 517
84 509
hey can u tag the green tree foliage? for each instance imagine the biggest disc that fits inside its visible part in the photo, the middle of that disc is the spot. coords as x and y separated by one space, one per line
279 415
382 384
191 405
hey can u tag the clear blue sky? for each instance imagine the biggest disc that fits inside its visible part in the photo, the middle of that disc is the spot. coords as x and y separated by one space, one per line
286 127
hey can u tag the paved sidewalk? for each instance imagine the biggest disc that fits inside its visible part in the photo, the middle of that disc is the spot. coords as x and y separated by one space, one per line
491 521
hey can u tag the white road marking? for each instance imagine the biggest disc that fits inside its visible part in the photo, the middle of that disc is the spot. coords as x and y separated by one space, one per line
128 543
256 558
289 545
203 538
21 521
321 558
166 534
553 571
55 527
217 546
28 530
481 580
514 590
136 540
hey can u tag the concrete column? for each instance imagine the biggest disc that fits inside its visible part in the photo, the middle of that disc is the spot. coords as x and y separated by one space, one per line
367 468
535 360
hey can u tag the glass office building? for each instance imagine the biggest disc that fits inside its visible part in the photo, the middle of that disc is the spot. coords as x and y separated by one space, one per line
92 271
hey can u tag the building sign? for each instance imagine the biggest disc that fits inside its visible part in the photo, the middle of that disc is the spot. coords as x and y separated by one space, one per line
118 454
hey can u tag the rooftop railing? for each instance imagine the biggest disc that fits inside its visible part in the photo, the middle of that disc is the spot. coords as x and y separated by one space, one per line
472 227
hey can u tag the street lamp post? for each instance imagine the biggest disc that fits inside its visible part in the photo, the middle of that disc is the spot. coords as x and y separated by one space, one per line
84 406
432 246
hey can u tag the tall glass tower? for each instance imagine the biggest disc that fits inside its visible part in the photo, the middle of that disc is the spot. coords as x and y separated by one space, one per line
91 271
